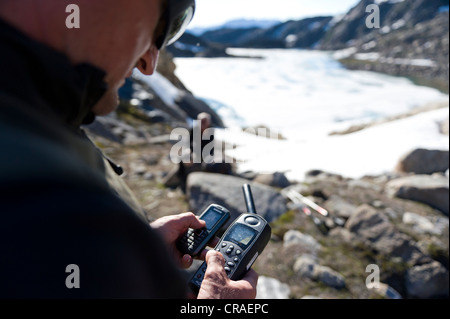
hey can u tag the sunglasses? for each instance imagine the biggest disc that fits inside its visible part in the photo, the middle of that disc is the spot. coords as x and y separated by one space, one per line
177 14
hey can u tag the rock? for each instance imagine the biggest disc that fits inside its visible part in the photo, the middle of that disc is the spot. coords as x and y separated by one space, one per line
250 175
316 175
423 161
276 179
339 207
431 190
271 288
307 266
356 185
137 168
114 129
311 297
436 247
387 291
204 189
380 234
423 224
330 277
190 45
364 218
427 281
294 237
342 234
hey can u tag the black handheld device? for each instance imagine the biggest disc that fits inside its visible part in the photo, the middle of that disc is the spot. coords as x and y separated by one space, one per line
241 244
194 241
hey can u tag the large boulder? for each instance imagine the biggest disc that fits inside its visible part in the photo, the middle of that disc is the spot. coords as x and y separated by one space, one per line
427 281
307 266
423 161
431 190
374 228
426 224
204 189
276 179
294 237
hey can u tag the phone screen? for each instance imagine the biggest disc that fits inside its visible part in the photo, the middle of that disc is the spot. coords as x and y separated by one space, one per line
241 235
211 217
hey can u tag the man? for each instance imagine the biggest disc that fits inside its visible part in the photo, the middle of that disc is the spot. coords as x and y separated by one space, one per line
66 231
202 151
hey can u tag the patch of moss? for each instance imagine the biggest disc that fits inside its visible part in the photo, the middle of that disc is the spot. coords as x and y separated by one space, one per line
281 225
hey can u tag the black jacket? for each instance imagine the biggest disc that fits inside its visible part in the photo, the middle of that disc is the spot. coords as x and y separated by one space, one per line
56 206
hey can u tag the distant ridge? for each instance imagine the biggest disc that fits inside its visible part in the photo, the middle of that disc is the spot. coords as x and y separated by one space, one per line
236 24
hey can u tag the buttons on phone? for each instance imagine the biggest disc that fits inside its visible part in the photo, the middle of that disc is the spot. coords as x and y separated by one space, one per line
194 237
231 253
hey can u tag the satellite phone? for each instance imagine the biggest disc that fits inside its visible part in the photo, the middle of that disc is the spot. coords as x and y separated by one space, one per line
241 244
194 241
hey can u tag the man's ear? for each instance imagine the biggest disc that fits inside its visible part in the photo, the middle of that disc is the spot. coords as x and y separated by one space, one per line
148 62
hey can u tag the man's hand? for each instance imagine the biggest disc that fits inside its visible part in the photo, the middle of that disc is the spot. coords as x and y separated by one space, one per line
172 227
217 285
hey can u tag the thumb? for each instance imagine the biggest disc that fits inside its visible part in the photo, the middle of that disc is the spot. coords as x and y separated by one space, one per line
215 282
215 259
215 263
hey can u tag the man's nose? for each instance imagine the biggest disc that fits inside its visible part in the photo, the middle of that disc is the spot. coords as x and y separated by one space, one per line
148 62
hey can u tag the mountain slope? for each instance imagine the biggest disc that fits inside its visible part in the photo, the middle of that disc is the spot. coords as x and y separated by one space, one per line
292 34
412 41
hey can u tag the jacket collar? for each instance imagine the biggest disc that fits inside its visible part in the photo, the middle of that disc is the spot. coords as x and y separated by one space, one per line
46 80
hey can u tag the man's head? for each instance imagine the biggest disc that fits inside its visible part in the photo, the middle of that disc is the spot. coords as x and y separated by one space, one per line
114 35
205 120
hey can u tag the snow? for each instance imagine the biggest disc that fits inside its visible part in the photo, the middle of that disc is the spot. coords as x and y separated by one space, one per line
372 151
305 95
376 56
416 62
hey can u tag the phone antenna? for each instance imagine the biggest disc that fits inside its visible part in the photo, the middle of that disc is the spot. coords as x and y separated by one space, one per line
249 199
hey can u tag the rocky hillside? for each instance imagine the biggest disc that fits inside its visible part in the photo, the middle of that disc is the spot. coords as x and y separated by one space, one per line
162 97
291 34
394 15
413 41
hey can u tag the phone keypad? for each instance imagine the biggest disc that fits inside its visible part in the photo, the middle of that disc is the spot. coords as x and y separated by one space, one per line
231 254
193 238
